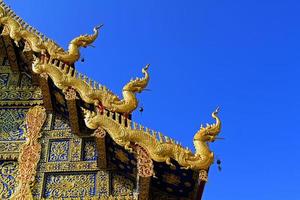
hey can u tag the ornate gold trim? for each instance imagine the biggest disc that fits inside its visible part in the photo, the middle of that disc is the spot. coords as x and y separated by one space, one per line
30 153
203 176
110 197
75 166
65 78
9 150
144 162
70 94
162 150
144 171
90 91
20 96
17 29
100 134
44 76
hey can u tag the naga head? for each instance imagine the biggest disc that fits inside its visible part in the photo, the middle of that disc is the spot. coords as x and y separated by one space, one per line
139 84
211 131
86 40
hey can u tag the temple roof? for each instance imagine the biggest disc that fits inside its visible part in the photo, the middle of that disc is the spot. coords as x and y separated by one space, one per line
96 107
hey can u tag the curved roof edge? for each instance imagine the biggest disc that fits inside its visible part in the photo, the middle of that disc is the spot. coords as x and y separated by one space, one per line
51 60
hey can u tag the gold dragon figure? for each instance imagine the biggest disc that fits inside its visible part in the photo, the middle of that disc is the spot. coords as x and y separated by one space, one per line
163 150
73 53
64 77
18 30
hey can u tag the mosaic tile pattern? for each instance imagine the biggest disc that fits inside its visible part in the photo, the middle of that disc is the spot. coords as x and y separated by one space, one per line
4 78
89 150
59 150
8 173
12 125
70 185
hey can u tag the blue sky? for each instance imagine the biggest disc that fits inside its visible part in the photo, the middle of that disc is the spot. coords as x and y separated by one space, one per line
240 55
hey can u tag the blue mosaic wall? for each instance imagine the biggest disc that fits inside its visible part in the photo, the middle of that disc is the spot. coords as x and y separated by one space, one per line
89 150
12 124
59 150
8 173
4 78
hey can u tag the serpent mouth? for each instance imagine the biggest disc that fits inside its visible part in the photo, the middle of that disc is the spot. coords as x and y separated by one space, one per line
211 138
84 44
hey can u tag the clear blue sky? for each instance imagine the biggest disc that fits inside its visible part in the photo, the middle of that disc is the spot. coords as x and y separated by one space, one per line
241 55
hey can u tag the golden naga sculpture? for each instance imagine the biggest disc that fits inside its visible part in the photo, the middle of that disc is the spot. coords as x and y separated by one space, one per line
64 77
19 30
73 53
163 150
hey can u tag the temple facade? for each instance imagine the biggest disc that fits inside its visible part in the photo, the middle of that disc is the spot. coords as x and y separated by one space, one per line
65 136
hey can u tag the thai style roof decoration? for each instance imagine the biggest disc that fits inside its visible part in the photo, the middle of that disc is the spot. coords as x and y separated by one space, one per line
49 86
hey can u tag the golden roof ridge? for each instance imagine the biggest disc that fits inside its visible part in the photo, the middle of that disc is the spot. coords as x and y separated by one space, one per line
53 61
45 48
127 133
18 29
6 11
90 91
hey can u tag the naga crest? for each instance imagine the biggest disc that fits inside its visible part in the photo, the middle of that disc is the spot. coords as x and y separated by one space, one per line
210 132
35 41
73 53
85 40
139 84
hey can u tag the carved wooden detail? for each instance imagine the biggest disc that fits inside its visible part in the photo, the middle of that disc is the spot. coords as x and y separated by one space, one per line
101 147
30 153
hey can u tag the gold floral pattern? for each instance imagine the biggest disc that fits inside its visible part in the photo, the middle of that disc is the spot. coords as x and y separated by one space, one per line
30 153
89 150
144 162
12 126
60 123
20 96
70 185
59 150
8 173
203 176
122 185
10 150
